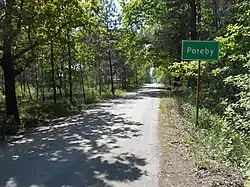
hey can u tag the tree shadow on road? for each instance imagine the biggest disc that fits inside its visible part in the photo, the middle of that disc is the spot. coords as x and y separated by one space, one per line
154 93
125 99
72 152
147 91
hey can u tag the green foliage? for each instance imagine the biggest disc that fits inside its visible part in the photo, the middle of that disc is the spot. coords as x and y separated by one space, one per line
45 111
155 31
7 126
4 123
237 113
214 139
120 92
91 97
67 47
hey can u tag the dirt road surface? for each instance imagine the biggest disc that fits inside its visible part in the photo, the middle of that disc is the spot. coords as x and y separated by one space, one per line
114 145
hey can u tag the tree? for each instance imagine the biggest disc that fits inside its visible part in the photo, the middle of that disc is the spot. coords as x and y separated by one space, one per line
18 15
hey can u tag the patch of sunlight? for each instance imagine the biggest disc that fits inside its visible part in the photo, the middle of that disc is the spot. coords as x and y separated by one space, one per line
97 172
53 159
43 145
11 182
48 139
102 119
62 118
68 149
42 154
23 141
44 128
95 151
34 185
84 148
76 136
15 157
64 160
104 136
62 125
56 153
80 142
248 181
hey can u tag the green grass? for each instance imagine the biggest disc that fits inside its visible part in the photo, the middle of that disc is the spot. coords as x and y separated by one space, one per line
217 147
31 110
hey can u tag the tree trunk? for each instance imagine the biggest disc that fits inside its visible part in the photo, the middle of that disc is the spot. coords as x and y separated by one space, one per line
29 91
10 89
60 79
111 74
53 69
8 70
82 81
136 76
199 17
100 77
42 75
70 71
60 85
216 16
193 20
32 53
63 78
24 84
21 84
99 66
37 83
169 79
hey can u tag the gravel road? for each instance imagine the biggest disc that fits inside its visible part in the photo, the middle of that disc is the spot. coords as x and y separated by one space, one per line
113 145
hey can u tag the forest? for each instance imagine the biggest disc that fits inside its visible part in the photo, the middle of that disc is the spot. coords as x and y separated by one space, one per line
59 57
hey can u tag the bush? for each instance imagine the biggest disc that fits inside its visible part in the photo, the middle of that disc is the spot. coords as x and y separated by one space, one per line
215 140
7 126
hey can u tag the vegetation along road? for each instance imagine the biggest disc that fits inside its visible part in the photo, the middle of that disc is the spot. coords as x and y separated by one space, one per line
114 144
106 92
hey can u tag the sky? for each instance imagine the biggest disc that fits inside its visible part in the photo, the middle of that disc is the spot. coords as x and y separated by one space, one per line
118 5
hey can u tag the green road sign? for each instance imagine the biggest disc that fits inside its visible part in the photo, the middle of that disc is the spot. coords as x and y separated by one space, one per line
200 50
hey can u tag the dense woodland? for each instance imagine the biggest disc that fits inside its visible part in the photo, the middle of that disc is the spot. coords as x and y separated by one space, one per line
222 134
58 56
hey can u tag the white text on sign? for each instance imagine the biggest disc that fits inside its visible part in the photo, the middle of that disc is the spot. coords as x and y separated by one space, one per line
204 51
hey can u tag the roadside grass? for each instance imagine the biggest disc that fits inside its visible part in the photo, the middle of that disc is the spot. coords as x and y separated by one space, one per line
217 149
35 113
178 160
32 110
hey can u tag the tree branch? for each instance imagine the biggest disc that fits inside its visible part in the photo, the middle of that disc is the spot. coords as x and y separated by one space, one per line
19 23
2 16
18 72
39 42
22 52
60 29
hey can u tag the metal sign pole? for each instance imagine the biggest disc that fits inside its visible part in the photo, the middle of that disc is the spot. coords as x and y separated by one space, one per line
199 50
198 93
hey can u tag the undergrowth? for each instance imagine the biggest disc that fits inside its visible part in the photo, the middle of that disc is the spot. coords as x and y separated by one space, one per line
218 147
33 112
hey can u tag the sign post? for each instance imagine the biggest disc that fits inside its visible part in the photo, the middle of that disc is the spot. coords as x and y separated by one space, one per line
198 93
199 50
